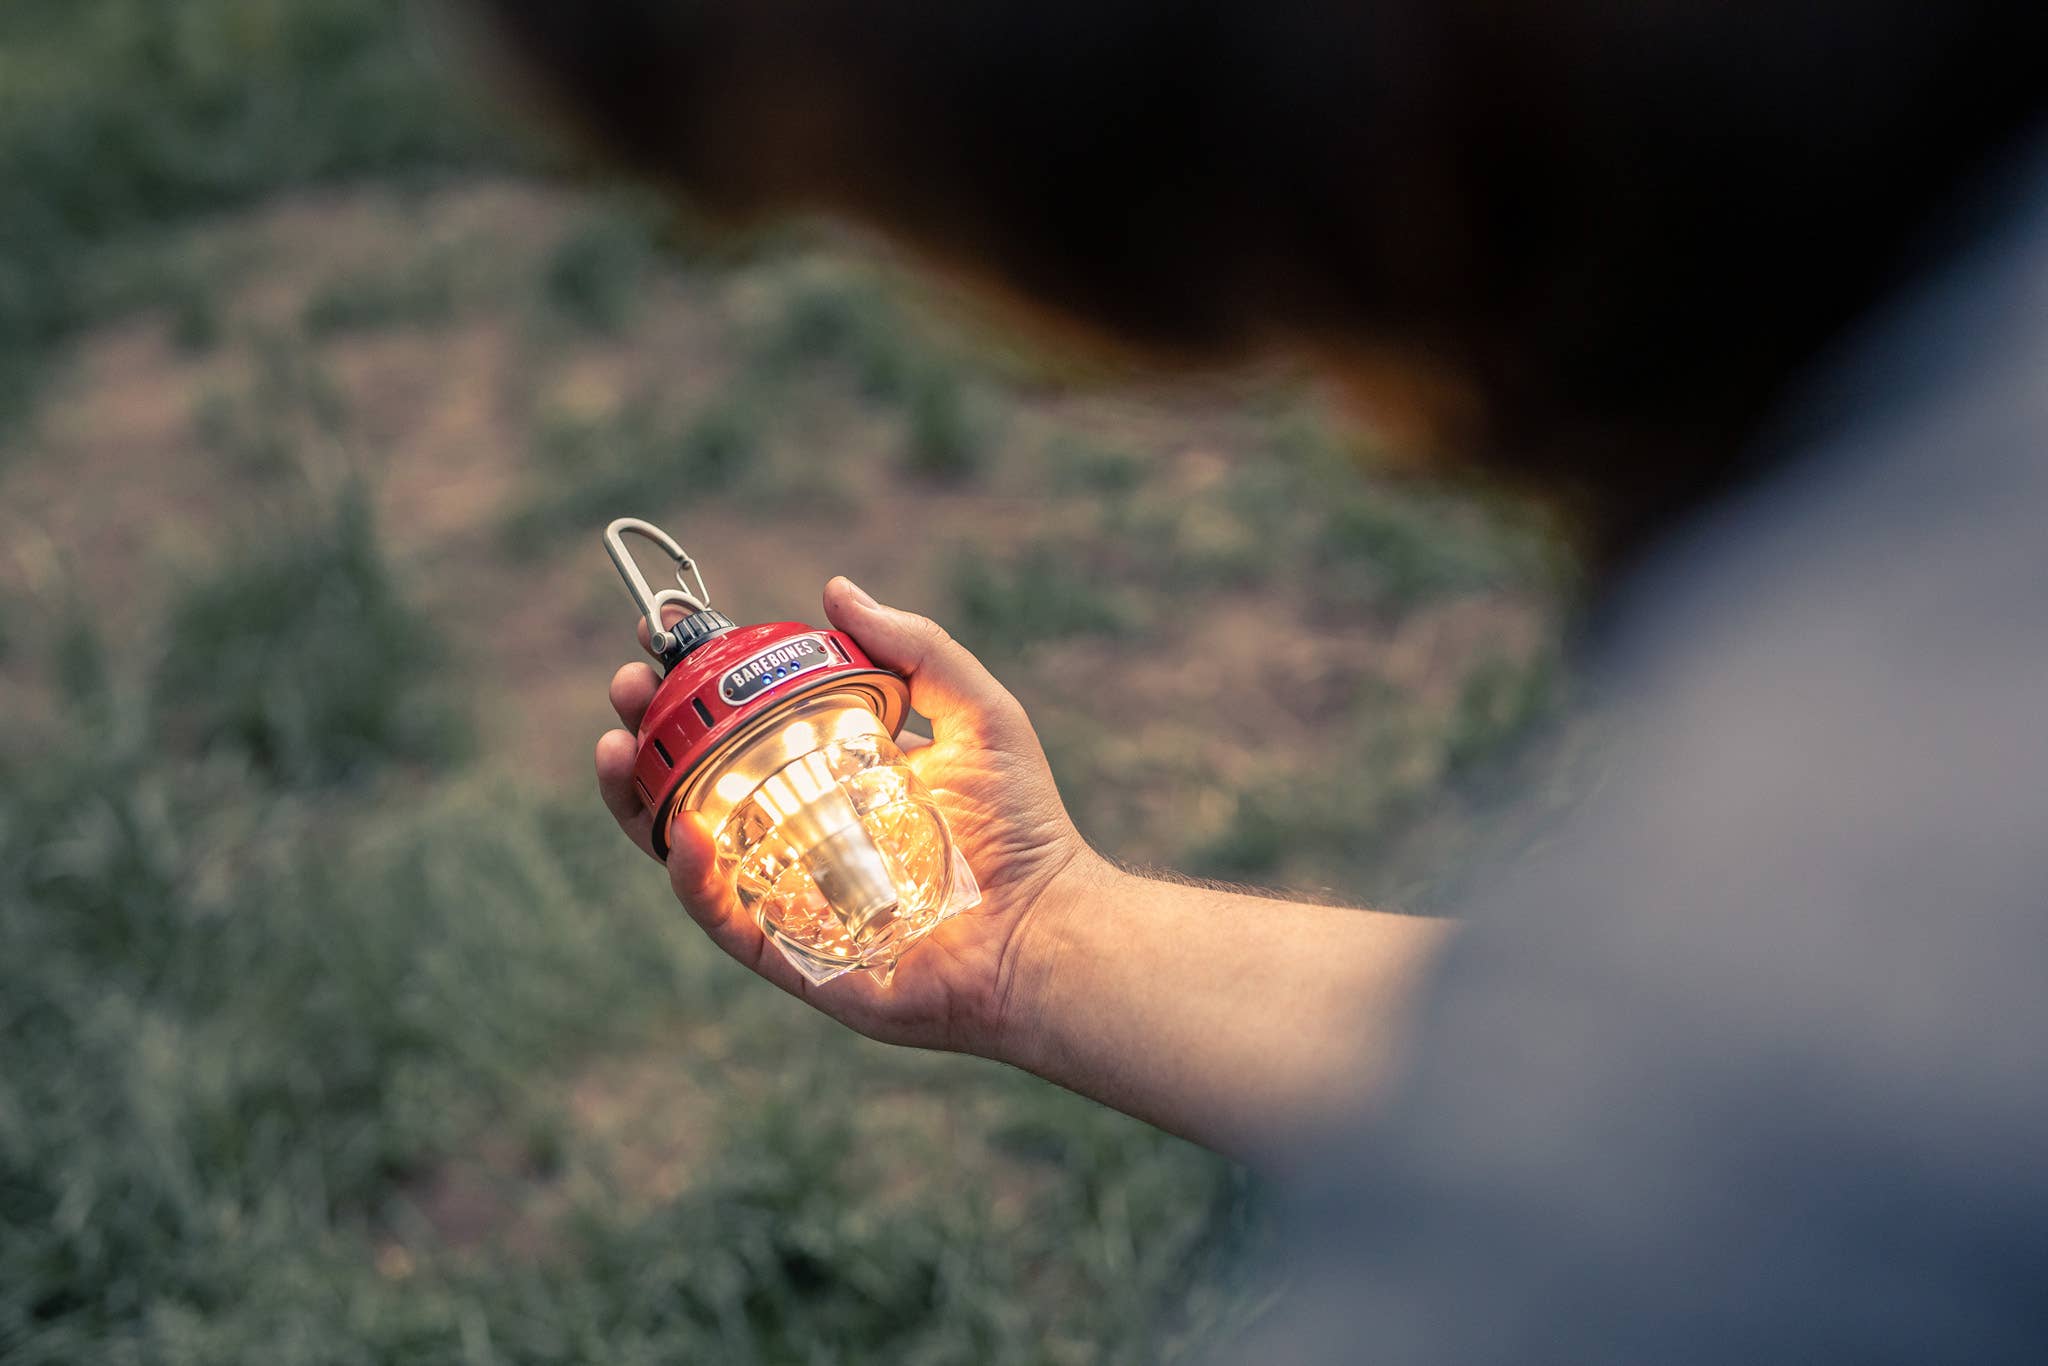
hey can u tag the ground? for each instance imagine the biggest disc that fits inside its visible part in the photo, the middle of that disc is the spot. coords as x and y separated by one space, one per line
340 1026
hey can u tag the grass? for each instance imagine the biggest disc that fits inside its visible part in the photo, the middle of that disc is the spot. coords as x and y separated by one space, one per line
942 439
835 324
1075 465
1499 701
1001 608
277 957
832 320
1145 552
284 958
259 427
214 1084
121 117
1300 515
593 278
301 656
1388 545
592 465
1402 553
181 276
418 294
245 1023
1393 761
832 343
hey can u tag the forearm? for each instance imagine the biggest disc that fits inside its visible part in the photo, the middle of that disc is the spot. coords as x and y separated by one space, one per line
1238 1022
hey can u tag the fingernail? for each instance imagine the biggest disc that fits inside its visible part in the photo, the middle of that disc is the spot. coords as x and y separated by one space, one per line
860 595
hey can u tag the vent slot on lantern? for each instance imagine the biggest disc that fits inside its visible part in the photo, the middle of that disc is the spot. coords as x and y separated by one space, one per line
703 714
662 750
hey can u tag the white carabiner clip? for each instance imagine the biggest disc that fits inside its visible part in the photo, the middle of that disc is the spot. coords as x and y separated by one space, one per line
697 598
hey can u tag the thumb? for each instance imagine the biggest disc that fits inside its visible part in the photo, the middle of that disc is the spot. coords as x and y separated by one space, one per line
947 683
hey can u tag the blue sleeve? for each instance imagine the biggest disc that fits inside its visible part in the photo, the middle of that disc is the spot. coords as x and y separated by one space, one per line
1751 1064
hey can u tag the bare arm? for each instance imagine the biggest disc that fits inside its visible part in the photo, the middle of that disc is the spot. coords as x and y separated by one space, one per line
1236 1021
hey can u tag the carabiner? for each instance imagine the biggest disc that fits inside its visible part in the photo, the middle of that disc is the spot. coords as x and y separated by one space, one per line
697 598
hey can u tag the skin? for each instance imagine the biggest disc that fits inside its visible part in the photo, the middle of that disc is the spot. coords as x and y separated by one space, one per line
1243 1023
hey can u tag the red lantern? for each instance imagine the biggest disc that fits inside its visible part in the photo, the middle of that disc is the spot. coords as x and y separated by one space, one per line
782 736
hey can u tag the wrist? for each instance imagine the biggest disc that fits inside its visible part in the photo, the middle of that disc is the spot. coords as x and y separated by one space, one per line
1046 953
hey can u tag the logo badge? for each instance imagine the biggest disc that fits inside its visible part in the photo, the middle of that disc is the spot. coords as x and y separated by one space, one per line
765 670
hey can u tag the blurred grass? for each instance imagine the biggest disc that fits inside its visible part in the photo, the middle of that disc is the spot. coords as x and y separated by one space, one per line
591 464
1003 607
301 656
120 117
1379 771
421 293
595 275
260 984
246 1012
944 440
258 428
1143 558
828 320
280 958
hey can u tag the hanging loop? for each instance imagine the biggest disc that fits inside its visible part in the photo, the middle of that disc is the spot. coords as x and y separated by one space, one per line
690 591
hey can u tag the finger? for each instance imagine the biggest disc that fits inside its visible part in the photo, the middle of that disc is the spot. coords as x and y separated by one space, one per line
632 689
616 750
947 683
693 871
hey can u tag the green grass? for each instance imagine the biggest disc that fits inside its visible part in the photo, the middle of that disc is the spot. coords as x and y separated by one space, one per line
185 289
419 294
262 427
272 959
1301 528
943 440
184 276
279 950
594 277
1001 608
225 1046
591 466
832 320
1388 545
302 657
1393 761
1400 553
247 1012
119 117
1077 466
1302 516
835 324
1499 702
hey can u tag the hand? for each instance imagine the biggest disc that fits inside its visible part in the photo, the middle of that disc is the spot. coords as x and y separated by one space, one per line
987 770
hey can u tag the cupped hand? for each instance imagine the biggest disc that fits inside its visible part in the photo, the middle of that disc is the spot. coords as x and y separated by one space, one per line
987 771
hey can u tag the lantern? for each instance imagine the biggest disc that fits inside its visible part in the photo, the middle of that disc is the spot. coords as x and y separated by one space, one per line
781 737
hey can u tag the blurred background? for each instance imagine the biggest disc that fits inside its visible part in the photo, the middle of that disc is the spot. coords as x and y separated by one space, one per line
339 1023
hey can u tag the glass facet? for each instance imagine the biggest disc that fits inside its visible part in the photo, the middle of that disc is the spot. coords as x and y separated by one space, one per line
833 844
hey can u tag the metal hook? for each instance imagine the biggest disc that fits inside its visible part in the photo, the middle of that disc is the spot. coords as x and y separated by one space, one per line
697 599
